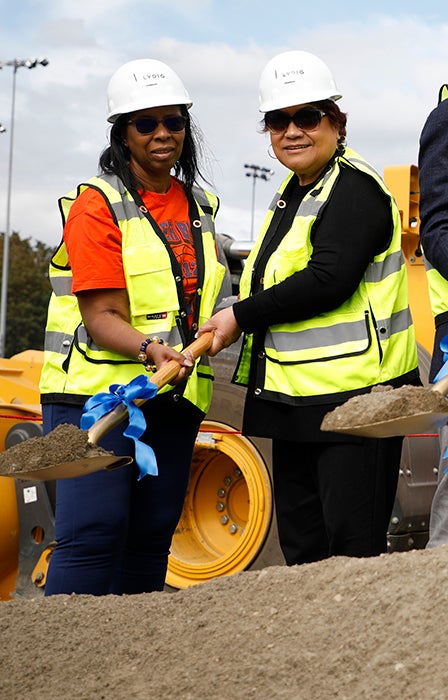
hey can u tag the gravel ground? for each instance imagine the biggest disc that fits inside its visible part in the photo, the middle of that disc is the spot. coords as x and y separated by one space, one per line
341 628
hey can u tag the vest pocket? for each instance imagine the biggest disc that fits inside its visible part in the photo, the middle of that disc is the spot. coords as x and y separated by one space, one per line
150 285
211 289
348 336
286 261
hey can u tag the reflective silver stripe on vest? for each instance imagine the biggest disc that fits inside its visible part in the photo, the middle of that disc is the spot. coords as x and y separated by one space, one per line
306 339
400 321
58 342
84 338
310 207
427 264
206 222
364 165
201 199
378 271
62 286
337 334
276 199
125 209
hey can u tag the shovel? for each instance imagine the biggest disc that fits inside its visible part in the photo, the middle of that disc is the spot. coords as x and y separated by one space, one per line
97 461
407 423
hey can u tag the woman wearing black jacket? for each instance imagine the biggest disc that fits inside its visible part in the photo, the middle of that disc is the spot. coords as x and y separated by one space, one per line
324 311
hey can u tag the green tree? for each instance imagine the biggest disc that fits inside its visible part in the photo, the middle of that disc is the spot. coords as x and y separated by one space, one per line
28 293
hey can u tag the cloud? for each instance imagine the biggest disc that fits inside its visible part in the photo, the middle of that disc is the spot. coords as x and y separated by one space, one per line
66 33
388 69
93 10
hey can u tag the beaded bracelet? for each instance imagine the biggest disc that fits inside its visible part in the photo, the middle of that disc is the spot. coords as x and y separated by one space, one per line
142 357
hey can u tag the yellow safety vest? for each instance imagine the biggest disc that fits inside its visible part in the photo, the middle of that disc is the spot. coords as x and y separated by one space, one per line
74 366
367 340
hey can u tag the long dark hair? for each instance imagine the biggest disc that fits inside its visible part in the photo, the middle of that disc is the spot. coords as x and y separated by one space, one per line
115 157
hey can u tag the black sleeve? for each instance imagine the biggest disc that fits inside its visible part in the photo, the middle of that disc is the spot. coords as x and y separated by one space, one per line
355 226
433 179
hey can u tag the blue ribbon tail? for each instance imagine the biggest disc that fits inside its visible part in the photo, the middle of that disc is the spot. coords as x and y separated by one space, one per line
100 404
144 454
443 371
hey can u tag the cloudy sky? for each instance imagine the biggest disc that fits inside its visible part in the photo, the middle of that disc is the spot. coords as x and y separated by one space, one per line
389 59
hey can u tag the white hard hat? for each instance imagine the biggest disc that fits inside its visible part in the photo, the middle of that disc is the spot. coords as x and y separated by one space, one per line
141 84
295 77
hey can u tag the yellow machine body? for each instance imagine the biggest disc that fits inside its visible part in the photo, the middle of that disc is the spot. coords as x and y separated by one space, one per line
19 403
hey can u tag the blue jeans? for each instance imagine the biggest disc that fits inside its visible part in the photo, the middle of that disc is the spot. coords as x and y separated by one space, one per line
114 532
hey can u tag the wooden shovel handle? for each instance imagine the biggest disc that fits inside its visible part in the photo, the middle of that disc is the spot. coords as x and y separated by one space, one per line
168 372
163 376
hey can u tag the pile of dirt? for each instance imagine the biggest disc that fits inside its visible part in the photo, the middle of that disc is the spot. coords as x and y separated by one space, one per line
342 628
66 443
385 403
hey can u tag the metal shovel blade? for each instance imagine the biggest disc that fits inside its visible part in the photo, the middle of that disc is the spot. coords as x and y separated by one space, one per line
79 467
411 422
405 425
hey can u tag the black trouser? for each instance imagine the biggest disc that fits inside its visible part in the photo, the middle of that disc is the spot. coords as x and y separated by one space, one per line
334 498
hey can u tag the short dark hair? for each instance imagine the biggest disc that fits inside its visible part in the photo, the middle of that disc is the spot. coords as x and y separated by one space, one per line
115 157
336 117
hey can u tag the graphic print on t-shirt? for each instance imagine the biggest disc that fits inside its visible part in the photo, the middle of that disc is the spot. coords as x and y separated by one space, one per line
170 211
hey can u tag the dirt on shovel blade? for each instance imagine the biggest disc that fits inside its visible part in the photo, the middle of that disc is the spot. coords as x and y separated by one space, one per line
384 403
66 443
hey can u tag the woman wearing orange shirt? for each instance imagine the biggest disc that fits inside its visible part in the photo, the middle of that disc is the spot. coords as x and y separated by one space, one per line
135 275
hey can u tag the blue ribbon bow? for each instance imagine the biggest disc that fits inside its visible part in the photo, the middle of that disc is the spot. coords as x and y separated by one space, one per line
98 405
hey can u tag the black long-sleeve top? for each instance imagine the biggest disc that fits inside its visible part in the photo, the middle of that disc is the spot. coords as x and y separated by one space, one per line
355 225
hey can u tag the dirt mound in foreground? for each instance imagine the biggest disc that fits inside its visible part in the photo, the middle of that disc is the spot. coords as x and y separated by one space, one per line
342 628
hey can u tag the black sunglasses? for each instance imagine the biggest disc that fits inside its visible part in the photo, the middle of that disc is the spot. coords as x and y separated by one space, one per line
147 125
306 119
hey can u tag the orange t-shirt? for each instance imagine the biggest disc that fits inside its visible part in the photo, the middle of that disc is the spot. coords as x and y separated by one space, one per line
93 240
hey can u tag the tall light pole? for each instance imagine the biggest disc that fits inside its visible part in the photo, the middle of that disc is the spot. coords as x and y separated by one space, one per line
16 63
256 172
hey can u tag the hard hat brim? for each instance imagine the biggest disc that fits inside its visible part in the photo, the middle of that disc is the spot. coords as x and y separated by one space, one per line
283 103
145 104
